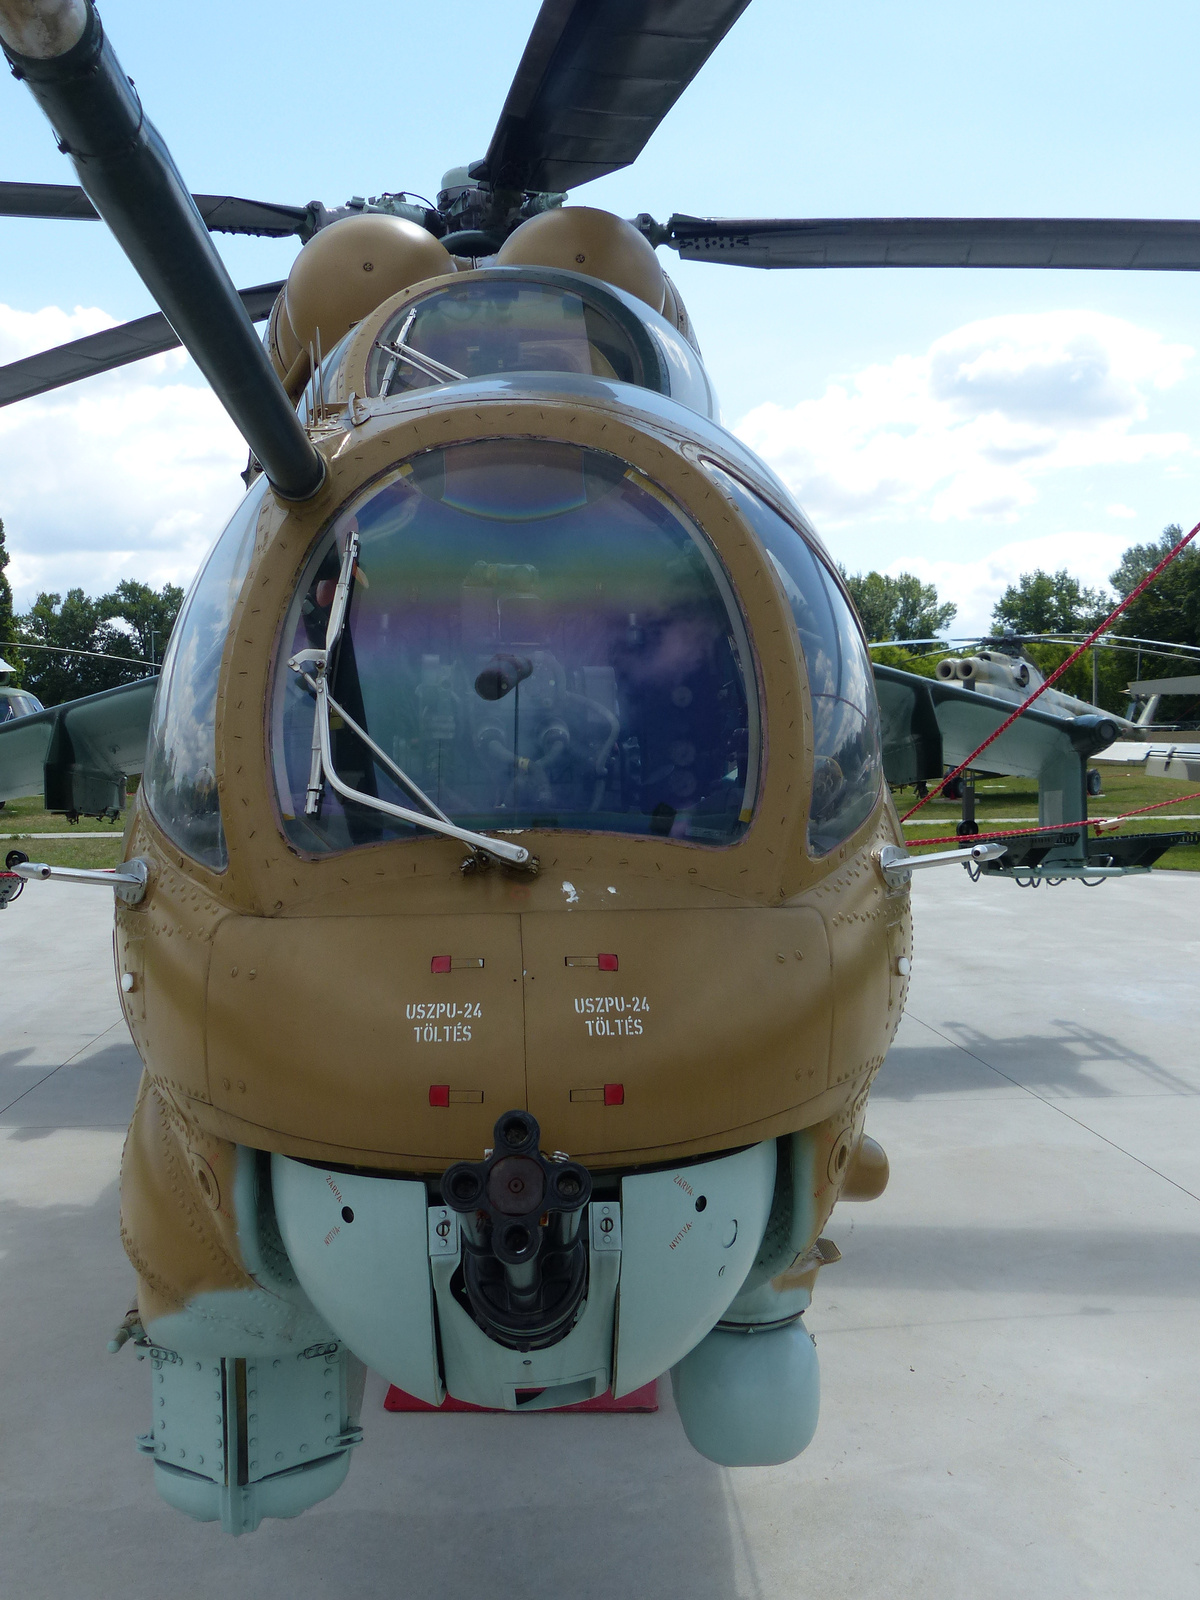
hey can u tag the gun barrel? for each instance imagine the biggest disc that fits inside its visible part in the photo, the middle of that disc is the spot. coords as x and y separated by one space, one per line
59 48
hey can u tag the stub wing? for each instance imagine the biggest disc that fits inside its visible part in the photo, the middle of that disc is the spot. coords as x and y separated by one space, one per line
929 725
1161 760
79 754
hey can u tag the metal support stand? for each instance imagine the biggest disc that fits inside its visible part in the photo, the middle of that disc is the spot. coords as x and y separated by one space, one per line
968 827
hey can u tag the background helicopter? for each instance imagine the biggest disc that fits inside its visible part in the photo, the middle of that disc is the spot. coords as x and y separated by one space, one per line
503 1253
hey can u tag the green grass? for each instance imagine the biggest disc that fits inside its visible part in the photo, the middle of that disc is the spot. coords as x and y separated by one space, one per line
995 800
68 852
30 818
1124 790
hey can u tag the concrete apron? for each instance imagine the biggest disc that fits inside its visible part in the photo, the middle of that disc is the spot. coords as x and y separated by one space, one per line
1009 1382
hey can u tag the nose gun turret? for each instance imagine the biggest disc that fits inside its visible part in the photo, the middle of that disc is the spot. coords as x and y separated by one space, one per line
524 1270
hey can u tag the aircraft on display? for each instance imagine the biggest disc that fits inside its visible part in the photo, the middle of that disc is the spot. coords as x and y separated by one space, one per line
14 702
513 914
1002 669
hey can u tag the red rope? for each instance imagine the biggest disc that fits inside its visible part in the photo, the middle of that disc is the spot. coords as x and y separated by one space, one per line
1156 806
1054 677
1099 823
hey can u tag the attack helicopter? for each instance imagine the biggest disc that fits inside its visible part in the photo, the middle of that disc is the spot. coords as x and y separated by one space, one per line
514 914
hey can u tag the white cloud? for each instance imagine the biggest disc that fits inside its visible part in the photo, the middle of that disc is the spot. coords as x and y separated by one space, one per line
134 473
970 428
23 333
131 474
977 584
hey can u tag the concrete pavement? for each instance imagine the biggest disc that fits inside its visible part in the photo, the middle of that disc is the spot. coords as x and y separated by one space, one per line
1011 1387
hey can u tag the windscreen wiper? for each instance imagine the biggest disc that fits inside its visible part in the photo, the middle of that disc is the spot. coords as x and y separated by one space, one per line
322 769
399 350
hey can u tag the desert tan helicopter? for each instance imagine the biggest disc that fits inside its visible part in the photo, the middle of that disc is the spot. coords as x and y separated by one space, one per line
514 914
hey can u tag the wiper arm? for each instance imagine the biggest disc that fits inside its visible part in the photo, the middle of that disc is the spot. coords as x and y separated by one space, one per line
435 819
322 769
401 351
401 777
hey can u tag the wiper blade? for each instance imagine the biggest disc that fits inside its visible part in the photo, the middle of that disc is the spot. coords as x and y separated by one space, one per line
320 659
341 594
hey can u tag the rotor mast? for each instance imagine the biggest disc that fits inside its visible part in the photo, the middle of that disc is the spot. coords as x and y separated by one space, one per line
60 50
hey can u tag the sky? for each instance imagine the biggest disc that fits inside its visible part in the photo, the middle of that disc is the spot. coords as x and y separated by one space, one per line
963 425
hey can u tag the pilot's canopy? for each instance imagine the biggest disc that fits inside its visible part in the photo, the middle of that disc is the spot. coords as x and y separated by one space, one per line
537 636
501 321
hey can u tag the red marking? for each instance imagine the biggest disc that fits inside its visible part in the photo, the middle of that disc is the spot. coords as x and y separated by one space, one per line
439 1094
607 963
643 1399
614 1094
440 964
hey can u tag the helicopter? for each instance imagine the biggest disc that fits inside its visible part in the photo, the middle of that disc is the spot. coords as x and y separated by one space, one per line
513 913
14 702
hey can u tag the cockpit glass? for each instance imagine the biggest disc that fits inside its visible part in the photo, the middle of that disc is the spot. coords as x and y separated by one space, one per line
538 637
499 325
180 782
847 762
14 704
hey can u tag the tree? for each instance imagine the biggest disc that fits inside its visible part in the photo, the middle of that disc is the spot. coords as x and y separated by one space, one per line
922 662
897 608
1170 607
134 623
73 623
1044 602
149 614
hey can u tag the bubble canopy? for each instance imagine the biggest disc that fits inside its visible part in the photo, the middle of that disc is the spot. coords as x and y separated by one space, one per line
847 762
538 636
180 782
506 321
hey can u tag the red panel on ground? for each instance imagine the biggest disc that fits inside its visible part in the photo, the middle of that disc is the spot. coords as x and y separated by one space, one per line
643 1399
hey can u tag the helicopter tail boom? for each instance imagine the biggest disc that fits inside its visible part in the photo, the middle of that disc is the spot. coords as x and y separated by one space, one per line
59 48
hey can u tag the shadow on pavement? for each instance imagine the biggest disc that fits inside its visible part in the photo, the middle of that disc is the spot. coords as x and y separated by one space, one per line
97 1088
1066 1062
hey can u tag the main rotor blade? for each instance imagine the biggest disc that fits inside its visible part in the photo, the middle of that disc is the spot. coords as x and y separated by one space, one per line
64 201
222 213
114 347
1070 242
596 79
